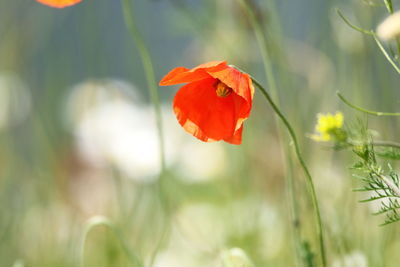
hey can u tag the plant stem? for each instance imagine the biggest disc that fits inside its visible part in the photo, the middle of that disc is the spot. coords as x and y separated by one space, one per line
310 182
371 112
386 54
128 12
389 183
351 25
149 72
373 34
98 221
290 189
377 143
389 6
386 144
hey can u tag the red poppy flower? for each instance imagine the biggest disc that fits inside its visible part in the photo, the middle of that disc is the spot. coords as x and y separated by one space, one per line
59 3
214 102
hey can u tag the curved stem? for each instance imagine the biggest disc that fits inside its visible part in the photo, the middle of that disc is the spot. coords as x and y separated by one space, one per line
371 112
290 190
377 143
149 72
310 182
373 34
386 144
98 221
386 54
351 25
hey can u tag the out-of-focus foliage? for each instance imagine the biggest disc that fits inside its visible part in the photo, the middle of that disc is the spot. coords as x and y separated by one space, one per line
77 136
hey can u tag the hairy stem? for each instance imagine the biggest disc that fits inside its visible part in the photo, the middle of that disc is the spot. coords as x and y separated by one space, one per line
371 112
307 173
103 221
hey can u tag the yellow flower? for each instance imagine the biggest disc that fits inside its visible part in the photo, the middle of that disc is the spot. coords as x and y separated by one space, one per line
329 127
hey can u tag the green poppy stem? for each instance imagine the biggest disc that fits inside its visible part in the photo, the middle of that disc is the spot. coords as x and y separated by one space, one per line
103 221
127 7
310 182
290 184
370 112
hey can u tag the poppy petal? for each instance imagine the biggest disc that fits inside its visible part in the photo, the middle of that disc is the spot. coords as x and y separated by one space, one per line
236 139
240 82
207 116
184 75
59 3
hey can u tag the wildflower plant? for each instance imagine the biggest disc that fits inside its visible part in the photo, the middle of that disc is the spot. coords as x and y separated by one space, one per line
329 127
212 117
373 167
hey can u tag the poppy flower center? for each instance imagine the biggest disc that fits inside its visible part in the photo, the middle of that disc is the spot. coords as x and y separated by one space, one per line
222 89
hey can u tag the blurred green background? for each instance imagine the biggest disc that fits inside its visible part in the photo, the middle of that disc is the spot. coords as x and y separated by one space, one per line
78 136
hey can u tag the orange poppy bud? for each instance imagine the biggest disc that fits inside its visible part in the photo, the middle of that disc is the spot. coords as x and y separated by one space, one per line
215 101
59 3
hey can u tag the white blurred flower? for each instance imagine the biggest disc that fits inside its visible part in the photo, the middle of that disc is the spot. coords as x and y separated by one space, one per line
353 259
89 94
180 253
390 27
15 100
174 258
235 257
112 129
209 228
272 231
123 135
199 161
18 263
